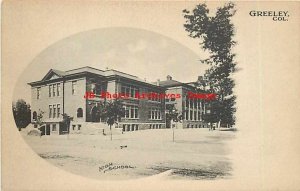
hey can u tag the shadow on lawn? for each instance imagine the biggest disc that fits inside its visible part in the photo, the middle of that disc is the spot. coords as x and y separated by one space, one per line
196 142
54 156
222 170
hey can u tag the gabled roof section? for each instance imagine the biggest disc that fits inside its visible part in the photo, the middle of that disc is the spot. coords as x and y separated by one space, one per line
53 74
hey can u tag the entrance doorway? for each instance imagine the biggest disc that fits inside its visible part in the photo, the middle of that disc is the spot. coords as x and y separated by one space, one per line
95 115
42 128
48 129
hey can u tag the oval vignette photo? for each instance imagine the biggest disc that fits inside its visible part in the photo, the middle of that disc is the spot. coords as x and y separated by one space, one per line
126 103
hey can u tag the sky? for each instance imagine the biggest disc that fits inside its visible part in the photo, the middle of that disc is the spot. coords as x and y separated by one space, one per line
143 53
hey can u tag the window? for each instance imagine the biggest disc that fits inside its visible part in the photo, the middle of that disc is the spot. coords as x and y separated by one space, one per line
50 91
155 113
79 127
187 115
129 90
50 111
73 127
74 83
38 93
191 115
54 111
123 90
58 110
187 103
96 88
200 106
199 116
54 127
131 112
132 92
195 115
58 89
136 112
93 88
53 90
154 96
79 112
126 112
34 116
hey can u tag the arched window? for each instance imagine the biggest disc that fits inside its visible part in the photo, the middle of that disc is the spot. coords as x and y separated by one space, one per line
34 116
79 112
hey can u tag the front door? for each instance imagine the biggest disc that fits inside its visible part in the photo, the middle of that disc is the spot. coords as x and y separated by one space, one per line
47 129
95 115
42 128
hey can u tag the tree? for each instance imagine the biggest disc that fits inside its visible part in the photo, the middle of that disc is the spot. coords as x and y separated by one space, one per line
111 112
40 117
173 115
22 113
216 35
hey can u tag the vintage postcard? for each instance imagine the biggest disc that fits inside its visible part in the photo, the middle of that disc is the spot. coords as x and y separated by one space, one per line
150 95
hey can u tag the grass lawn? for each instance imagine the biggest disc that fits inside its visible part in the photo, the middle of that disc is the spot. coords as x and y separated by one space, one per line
195 154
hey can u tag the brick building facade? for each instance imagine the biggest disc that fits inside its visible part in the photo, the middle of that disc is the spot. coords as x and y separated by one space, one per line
62 92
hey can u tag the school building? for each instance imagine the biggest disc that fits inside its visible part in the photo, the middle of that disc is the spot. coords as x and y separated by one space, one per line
191 109
61 92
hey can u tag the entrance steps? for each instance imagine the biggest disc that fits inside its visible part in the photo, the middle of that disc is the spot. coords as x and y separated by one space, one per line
30 130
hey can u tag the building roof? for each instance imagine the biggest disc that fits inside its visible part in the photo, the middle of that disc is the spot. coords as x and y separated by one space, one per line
173 83
60 73
53 74
170 83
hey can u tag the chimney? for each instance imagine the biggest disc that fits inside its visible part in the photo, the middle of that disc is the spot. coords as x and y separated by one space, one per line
169 77
158 82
